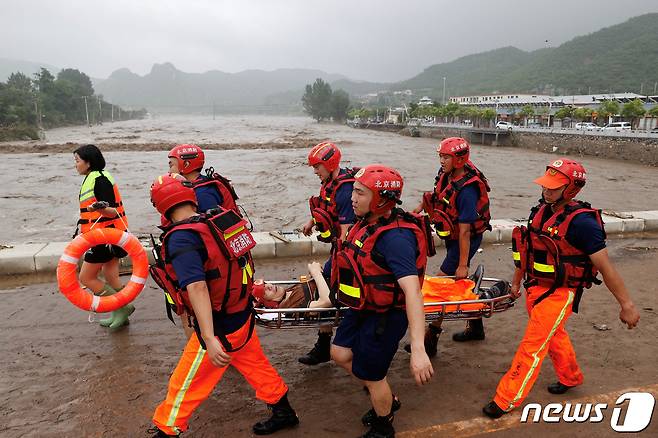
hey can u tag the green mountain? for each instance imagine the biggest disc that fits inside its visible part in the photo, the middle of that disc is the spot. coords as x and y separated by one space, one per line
28 68
617 58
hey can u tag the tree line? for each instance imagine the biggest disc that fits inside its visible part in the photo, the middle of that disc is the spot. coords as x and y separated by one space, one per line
45 101
321 103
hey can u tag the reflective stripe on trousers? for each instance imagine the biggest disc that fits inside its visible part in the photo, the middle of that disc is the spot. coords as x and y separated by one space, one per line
545 334
195 377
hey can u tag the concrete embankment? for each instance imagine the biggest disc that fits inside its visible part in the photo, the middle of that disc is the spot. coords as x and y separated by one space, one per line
634 149
41 258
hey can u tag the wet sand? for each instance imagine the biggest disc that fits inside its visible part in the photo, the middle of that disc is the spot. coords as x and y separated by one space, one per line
266 159
64 377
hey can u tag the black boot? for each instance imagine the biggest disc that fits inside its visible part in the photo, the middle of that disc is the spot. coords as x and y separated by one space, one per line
474 332
492 410
558 388
370 416
157 433
382 427
431 340
320 352
283 416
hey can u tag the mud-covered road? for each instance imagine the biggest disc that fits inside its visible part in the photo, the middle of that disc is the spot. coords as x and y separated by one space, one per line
64 377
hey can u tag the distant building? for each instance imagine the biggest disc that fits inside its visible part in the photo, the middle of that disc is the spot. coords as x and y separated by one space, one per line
425 101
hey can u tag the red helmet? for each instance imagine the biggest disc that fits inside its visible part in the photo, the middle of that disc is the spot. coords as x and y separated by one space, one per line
190 157
386 184
325 153
170 190
563 172
456 147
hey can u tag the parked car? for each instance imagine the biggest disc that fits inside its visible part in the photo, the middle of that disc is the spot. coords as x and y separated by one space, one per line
504 125
534 125
617 126
586 126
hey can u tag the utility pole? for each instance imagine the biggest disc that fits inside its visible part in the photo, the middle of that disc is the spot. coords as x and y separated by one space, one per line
655 86
112 112
100 111
86 110
213 110
641 87
444 90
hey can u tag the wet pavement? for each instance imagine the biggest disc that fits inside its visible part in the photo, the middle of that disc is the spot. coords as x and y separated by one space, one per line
64 377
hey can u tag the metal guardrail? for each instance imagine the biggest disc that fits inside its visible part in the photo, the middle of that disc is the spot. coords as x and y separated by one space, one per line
545 130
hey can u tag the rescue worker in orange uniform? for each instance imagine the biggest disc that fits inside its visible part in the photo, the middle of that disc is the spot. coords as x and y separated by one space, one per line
559 255
331 215
212 189
101 207
209 263
378 271
459 209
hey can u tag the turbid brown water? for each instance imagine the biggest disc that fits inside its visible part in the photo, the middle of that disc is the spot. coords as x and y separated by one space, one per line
64 377
266 159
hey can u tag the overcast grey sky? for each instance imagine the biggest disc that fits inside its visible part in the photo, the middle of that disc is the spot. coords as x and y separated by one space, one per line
370 40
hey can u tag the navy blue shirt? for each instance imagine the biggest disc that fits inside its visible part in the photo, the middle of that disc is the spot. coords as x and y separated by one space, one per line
207 197
467 199
399 249
586 234
188 265
343 200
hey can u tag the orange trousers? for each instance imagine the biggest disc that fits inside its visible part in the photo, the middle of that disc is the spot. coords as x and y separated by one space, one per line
195 377
544 334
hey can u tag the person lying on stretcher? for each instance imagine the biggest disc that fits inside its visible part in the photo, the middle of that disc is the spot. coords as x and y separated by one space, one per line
314 292
310 293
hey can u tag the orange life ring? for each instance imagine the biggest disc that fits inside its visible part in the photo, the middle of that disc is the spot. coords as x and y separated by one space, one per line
67 270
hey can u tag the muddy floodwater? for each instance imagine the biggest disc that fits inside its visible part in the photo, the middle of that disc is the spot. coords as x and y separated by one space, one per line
265 157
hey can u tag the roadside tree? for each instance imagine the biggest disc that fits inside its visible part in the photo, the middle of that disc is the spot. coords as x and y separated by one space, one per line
632 111
340 103
317 100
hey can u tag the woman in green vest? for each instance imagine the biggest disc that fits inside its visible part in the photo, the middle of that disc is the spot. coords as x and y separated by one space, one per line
101 207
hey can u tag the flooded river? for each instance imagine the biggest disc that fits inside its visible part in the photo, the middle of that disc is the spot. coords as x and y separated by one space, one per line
38 200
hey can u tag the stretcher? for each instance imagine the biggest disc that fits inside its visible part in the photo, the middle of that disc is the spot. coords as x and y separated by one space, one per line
434 311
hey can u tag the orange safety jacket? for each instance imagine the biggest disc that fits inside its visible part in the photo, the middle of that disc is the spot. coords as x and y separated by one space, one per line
441 204
360 276
223 186
89 219
547 259
323 208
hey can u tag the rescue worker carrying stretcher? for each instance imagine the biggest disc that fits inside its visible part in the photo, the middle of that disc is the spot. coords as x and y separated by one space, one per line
378 271
212 189
459 209
559 255
331 215
208 274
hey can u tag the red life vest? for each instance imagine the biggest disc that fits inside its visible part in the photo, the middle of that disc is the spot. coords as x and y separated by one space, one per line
324 210
360 277
547 259
229 267
441 204
223 186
